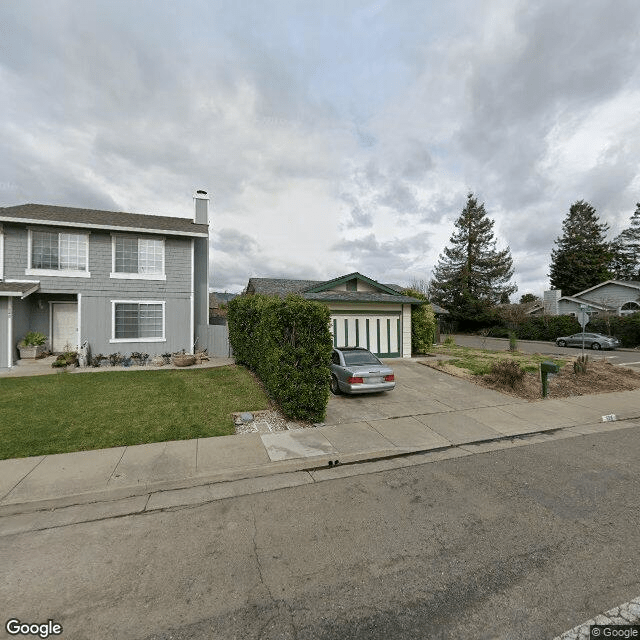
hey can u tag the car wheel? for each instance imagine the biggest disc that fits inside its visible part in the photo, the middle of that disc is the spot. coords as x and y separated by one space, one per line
335 387
595 346
561 343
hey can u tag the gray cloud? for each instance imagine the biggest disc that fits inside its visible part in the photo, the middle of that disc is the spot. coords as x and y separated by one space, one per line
374 118
234 243
383 259
560 64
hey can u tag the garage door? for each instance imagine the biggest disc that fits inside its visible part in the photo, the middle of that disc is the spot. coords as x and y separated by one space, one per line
381 334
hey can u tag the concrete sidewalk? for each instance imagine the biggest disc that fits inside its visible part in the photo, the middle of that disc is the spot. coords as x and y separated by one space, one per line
487 423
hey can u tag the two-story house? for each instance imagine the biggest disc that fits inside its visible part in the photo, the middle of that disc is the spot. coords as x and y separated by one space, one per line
123 282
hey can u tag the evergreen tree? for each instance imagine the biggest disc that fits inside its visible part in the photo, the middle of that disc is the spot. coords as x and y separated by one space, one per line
625 263
471 275
582 255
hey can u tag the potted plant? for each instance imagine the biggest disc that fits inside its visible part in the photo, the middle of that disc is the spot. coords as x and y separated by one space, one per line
32 345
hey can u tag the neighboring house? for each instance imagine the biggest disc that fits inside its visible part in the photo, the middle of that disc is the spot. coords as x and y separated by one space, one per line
364 312
614 297
121 281
218 313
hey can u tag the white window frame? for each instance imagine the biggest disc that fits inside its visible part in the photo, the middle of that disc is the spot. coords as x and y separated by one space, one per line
628 312
56 273
136 276
113 321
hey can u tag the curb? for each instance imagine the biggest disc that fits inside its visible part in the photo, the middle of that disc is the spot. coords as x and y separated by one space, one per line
145 498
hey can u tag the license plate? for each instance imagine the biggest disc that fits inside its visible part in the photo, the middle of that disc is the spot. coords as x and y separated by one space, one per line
373 380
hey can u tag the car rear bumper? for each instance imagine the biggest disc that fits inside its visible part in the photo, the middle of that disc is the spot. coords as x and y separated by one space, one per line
366 388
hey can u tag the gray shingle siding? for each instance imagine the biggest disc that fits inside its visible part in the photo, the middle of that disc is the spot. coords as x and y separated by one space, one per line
97 292
177 267
97 313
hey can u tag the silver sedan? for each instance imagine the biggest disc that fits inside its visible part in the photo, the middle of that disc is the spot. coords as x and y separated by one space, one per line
590 341
357 370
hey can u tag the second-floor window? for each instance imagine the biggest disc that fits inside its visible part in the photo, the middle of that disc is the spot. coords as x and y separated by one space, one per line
138 257
57 251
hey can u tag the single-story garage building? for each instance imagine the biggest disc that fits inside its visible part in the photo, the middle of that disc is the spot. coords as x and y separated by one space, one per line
364 313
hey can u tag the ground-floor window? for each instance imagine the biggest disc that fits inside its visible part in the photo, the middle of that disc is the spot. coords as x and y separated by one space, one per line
138 321
629 307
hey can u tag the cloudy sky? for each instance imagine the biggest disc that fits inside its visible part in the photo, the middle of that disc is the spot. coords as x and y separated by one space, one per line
333 137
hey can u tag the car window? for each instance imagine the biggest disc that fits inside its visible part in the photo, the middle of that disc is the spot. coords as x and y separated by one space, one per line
335 358
359 357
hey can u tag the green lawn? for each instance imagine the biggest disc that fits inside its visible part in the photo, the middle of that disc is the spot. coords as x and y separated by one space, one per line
479 361
75 412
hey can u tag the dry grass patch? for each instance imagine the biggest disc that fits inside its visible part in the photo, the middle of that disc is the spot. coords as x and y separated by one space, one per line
601 376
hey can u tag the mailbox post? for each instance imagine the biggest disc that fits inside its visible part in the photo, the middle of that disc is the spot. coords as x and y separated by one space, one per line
547 368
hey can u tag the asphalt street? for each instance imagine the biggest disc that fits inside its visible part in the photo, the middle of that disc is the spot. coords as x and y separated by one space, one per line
519 543
628 358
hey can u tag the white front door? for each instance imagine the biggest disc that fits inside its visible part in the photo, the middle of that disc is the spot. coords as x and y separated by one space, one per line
64 335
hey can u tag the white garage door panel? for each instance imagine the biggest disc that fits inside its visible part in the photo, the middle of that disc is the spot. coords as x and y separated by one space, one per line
379 333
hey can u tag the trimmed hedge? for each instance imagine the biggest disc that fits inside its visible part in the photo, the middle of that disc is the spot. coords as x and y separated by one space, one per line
625 328
423 323
288 344
540 328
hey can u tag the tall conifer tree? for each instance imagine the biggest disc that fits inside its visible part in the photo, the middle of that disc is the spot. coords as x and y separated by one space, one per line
472 275
582 255
625 264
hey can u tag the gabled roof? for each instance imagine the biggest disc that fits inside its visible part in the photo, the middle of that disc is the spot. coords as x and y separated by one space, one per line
624 283
98 219
359 296
329 284
583 301
317 290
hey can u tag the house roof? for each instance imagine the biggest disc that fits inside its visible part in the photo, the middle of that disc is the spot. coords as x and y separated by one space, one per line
577 300
279 286
98 219
328 284
359 296
316 290
18 289
633 284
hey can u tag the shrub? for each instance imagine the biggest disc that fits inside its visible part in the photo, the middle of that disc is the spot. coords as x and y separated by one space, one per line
33 339
423 323
65 359
507 372
580 365
288 344
625 328
513 342
449 341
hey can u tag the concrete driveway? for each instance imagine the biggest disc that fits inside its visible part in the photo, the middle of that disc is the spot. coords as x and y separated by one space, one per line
420 390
